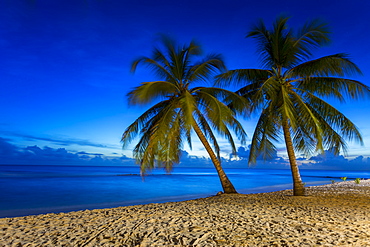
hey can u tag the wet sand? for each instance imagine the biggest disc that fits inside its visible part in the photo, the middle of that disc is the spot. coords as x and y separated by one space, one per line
330 215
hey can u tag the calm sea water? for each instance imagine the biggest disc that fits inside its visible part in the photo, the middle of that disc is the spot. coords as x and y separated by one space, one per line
26 190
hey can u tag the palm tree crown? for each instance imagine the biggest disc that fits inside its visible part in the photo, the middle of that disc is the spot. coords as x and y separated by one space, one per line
288 93
181 108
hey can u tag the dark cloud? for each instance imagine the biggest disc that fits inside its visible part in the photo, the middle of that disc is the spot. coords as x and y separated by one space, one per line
243 153
34 155
6 147
7 150
242 162
124 157
187 160
86 153
328 161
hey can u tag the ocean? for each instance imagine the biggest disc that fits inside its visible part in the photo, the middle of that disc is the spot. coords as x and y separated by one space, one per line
28 189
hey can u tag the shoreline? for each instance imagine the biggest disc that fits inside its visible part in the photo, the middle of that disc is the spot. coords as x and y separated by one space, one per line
332 215
13 213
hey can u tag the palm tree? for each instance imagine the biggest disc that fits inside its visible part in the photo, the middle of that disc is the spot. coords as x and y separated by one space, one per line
288 93
181 109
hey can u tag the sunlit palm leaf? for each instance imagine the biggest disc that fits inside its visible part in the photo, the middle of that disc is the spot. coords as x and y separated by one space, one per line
150 91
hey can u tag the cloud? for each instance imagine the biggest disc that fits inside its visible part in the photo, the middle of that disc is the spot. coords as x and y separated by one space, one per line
34 155
328 161
86 153
275 162
187 160
7 149
60 141
243 153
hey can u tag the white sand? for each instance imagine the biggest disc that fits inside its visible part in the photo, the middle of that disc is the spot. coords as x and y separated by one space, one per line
331 215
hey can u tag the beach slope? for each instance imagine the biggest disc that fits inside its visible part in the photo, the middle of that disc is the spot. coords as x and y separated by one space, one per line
331 215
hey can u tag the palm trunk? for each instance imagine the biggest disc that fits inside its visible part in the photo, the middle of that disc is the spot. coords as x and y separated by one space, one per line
298 187
227 186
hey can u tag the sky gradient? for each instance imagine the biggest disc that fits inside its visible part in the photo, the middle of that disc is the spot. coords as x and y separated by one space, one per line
65 67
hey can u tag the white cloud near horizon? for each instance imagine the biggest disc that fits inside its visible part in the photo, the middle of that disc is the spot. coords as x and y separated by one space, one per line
34 155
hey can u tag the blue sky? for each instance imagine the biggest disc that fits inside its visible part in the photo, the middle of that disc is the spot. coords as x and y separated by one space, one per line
65 67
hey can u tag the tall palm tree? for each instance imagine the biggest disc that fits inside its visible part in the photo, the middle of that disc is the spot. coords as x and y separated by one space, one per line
181 109
288 93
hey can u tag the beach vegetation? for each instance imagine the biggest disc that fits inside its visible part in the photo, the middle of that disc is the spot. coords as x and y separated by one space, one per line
344 178
289 92
357 180
182 106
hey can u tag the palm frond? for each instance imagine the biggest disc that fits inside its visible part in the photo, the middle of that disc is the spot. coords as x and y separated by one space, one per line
160 58
206 68
220 115
263 39
304 142
235 102
334 118
265 134
338 88
150 91
241 77
187 135
187 104
332 65
238 129
215 111
313 34
159 69
306 127
161 140
207 131
281 52
139 124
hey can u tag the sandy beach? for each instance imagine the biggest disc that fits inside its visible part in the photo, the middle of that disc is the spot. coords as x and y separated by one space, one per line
330 215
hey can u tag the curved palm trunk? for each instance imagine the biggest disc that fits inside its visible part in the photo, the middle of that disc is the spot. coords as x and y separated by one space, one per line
227 186
298 187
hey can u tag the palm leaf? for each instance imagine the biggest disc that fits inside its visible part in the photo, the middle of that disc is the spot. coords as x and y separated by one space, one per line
159 69
334 118
206 68
265 133
150 91
312 35
338 88
240 77
332 65
140 124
